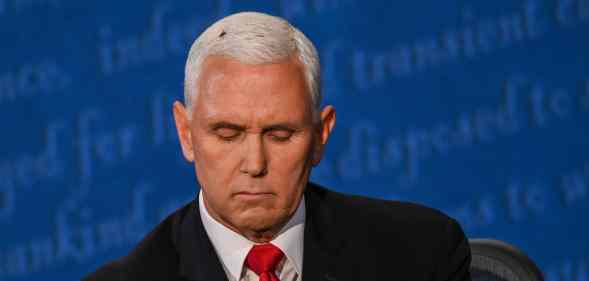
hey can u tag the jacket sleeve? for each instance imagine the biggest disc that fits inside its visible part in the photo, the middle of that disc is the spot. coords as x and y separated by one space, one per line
454 258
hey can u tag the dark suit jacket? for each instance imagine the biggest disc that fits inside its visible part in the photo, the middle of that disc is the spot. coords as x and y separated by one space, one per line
346 238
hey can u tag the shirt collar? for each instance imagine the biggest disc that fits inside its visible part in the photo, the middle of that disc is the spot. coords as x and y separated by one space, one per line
232 248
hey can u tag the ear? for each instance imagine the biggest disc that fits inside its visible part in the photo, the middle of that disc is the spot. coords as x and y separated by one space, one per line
324 130
183 127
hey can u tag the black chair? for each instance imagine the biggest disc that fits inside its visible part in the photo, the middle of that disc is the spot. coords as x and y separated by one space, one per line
494 260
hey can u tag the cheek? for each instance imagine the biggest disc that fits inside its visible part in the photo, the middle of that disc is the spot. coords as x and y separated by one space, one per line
290 163
294 154
214 161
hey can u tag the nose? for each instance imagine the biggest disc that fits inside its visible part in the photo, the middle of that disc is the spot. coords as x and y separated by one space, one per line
254 157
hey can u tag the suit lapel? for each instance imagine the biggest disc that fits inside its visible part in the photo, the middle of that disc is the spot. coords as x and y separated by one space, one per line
198 259
322 243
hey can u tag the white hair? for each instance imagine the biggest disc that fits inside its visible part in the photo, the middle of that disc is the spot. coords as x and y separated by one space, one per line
253 38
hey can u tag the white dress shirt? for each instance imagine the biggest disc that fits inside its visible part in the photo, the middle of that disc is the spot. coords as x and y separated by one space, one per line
232 248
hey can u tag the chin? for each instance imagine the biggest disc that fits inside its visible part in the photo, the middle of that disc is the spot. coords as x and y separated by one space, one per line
261 220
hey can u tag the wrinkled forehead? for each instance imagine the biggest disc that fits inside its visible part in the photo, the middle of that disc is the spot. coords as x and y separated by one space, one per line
267 92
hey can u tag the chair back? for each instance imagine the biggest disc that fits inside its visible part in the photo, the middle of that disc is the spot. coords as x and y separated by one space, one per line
493 260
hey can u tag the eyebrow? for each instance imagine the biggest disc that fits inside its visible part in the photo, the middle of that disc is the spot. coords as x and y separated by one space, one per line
281 126
224 124
278 126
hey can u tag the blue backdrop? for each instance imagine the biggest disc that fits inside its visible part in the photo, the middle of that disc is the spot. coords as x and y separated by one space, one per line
477 108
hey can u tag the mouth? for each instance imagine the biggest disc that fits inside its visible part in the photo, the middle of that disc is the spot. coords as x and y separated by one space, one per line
248 195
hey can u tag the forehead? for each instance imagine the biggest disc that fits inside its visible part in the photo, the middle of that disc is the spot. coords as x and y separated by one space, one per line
247 93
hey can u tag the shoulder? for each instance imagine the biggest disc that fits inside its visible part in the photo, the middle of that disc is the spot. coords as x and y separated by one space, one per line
416 238
386 224
364 210
155 256
420 241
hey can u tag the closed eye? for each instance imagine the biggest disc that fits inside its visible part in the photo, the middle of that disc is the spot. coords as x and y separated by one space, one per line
280 135
227 134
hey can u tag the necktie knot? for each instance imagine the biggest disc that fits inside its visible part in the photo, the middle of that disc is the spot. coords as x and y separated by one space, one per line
263 259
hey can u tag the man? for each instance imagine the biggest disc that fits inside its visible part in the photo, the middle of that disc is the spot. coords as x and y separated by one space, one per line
253 128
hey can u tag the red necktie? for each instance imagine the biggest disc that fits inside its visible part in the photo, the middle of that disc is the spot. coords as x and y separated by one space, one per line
263 259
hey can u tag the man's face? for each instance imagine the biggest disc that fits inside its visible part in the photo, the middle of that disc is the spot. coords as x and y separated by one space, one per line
253 141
